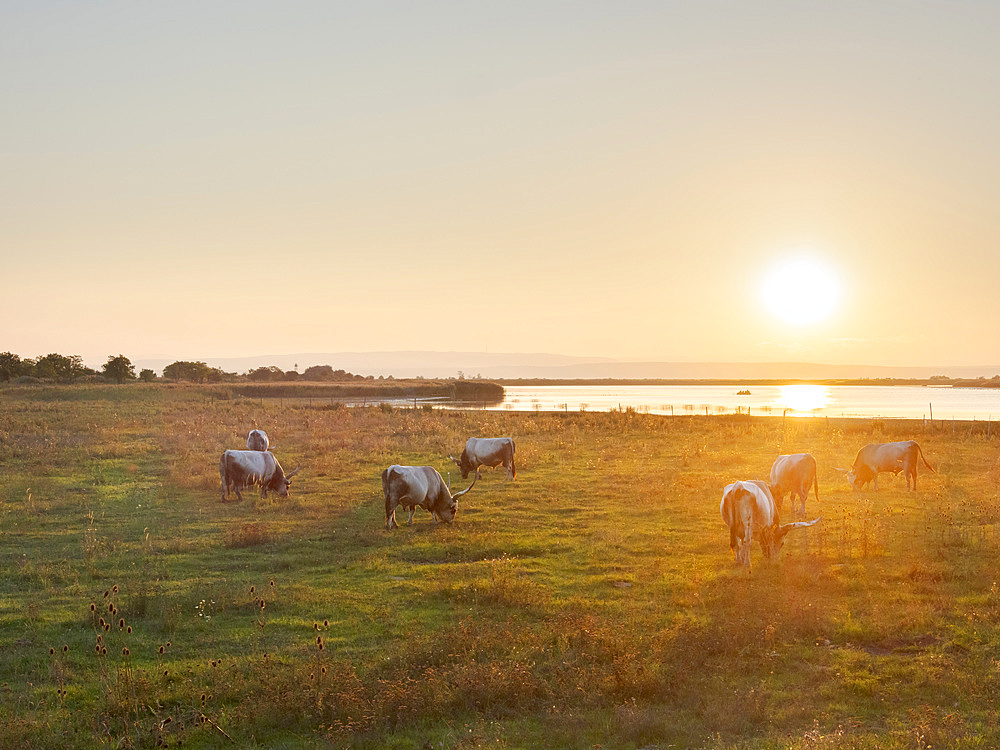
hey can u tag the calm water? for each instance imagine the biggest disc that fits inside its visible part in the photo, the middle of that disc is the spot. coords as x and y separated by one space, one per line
795 400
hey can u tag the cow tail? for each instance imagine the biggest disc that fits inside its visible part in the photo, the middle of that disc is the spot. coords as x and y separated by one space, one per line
921 452
815 488
223 471
513 469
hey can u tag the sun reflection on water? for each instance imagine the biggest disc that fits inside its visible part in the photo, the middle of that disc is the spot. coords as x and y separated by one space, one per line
803 398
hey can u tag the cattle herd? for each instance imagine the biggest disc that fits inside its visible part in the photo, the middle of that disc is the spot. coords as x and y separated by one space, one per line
410 487
750 508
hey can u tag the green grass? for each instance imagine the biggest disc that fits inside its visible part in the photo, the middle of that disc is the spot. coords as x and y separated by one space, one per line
592 602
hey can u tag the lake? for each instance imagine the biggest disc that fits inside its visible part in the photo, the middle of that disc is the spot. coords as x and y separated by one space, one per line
910 402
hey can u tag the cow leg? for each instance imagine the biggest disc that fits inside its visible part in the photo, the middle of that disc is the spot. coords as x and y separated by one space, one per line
390 515
409 521
236 487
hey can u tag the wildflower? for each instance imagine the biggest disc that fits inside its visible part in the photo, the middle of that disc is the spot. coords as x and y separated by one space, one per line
51 651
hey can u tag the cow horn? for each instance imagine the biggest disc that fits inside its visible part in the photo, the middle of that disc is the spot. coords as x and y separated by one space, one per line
837 468
459 494
786 527
294 472
455 460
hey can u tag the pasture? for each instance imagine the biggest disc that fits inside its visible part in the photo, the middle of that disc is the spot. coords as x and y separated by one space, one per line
592 602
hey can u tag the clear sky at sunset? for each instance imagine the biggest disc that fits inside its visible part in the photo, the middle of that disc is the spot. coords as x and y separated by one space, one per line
195 179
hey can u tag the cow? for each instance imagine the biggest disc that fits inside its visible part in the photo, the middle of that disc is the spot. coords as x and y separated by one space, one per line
876 458
487 452
748 509
245 468
257 441
794 474
412 486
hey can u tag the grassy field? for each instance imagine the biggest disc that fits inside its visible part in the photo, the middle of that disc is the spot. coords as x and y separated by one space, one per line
593 602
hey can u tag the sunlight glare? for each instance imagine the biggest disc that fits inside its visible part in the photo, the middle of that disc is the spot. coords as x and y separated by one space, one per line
800 290
804 398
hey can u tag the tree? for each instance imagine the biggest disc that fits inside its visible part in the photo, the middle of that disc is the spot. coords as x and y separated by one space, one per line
147 376
12 366
119 369
62 368
182 370
265 374
318 372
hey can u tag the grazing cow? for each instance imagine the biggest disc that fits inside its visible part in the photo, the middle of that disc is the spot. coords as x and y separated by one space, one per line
257 440
876 458
795 474
487 452
245 468
412 486
748 509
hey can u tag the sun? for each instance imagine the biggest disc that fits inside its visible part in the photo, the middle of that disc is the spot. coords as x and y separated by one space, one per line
800 289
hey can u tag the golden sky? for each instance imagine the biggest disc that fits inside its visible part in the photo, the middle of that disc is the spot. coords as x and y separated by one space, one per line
190 179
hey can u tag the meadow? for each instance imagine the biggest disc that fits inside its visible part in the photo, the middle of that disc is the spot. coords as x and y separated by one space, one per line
593 602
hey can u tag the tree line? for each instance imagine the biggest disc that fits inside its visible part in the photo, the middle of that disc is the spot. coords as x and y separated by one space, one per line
61 368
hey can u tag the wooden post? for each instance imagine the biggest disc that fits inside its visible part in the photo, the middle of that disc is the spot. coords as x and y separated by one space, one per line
931 407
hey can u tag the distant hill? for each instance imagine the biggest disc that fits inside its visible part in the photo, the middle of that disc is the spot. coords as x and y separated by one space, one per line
409 364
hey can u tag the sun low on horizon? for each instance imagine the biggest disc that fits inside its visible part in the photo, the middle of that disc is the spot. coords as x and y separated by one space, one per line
801 289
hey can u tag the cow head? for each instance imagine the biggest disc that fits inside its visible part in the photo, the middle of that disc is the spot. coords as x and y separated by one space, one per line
281 481
446 510
464 464
773 537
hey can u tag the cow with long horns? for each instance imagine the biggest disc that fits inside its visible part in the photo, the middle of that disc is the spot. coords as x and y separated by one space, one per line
794 474
749 511
248 468
418 486
490 452
876 458
257 441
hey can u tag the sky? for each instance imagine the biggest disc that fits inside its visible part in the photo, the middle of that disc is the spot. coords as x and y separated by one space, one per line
187 179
